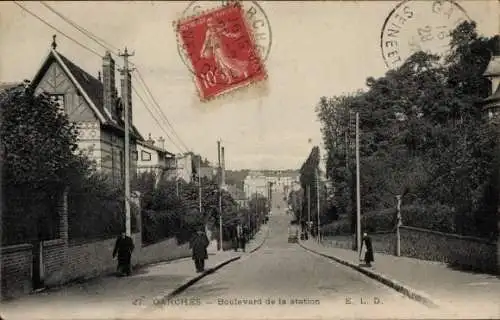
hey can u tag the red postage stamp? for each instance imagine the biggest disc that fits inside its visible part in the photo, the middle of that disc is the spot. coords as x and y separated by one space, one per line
222 51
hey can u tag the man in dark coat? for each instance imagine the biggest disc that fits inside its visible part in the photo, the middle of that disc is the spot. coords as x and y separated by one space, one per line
123 248
199 245
367 241
240 237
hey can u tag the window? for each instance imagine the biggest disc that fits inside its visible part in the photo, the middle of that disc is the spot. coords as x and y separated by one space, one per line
59 100
145 156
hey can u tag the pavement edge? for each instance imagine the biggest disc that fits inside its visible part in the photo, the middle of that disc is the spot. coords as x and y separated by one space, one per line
396 285
192 281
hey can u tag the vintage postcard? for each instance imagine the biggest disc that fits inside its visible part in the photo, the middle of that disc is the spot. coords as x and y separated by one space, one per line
250 159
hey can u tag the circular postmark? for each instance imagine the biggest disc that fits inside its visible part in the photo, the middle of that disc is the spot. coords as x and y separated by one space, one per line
414 26
256 18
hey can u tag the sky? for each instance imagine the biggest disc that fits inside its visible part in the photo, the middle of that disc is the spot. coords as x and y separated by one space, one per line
318 49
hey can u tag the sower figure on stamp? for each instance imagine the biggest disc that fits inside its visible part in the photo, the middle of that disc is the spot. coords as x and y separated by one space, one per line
367 242
123 248
213 46
199 245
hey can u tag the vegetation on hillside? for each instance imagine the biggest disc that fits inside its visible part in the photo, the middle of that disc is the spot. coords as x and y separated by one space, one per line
423 135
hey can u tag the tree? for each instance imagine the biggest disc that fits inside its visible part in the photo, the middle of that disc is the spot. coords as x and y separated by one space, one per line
422 134
39 160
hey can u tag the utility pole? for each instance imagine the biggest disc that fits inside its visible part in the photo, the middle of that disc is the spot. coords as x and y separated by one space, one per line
127 103
398 235
223 167
317 200
220 194
358 192
199 182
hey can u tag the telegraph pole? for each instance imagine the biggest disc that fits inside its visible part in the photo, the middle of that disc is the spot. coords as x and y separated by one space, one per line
358 192
317 196
220 194
127 103
199 181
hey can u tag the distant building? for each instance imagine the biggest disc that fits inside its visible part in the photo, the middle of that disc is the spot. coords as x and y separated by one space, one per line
94 105
492 103
154 158
184 167
238 195
208 172
282 181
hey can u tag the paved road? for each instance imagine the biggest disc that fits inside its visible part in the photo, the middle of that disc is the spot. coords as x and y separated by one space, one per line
281 271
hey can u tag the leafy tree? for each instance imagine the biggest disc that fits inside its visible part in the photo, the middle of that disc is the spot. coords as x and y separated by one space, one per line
422 135
38 159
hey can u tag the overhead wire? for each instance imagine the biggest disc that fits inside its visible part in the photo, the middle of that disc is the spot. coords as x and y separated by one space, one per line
96 39
106 45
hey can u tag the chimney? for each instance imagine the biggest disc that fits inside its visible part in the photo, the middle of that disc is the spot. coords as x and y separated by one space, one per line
496 50
161 142
108 82
126 80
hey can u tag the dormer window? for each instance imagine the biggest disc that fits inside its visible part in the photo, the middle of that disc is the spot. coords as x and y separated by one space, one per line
58 99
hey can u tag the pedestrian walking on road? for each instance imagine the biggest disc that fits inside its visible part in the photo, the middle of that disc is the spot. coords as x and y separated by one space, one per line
199 245
240 235
367 241
124 247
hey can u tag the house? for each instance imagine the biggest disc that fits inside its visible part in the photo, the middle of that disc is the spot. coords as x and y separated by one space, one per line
208 172
154 158
238 195
492 103
184 167
280 181
94 105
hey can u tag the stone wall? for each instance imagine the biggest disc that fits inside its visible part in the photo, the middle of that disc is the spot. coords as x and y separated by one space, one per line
65 262
382 242
466 252
460 251
16 270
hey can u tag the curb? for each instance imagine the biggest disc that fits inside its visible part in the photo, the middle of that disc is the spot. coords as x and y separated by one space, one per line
396 285
192 281
196 279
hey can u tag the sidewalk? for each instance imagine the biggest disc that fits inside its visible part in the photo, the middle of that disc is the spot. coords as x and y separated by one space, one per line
454 293
127 297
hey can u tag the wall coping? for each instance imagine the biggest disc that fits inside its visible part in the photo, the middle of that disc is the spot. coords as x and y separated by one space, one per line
16 248
79 242
451 235
53 242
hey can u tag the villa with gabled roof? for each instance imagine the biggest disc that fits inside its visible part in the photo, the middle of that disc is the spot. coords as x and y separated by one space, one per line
93 104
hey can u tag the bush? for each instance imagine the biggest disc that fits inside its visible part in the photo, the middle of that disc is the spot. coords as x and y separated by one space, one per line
379 221
436 217
340 227
29 214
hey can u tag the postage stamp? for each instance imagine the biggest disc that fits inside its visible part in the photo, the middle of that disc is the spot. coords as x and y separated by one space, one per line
222 51
254 14
414 26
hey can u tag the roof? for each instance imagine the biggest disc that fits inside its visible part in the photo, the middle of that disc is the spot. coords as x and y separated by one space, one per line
207 172
90 88
149 145
493 68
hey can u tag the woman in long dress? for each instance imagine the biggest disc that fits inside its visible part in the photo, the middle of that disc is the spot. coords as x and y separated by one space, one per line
367 241
213 46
